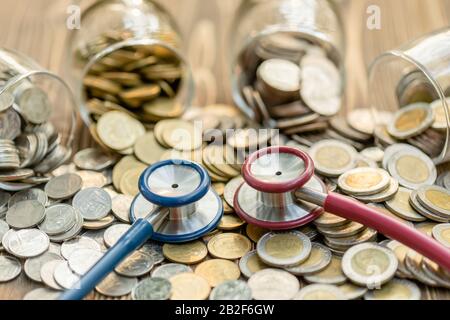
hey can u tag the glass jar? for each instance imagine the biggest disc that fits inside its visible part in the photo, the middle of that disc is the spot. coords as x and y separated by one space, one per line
127 54
37 120
287 59
417 72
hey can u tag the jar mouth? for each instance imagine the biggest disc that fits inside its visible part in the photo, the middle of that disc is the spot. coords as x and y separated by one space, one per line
319 39
35 77
415 65
187 78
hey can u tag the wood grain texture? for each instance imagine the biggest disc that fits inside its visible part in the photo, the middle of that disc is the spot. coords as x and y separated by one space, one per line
38 29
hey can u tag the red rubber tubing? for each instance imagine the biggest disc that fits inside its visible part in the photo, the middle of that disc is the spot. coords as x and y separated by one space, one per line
353 210
278 187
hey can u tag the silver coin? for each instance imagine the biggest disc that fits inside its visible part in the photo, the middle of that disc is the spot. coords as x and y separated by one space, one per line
369 264
153 249
231 290
34 105
446 181
352 292
135 265
6 101
169 270
30 194
92 179
26 243
99 224
70 246
396 289
64 276
53 159
10 124
93 159
115 285
321 86
15 186
42 294
273 284
97 236
80 261
318 260
47 272
374 153
412 169
4 199
72 232
114 233
15 175
25 214
283 249
393 149
10 268
281 75
320 292
231 188
33 266
403 128
93 203
63 187
152 289
59 218
441 233
121 207
4 227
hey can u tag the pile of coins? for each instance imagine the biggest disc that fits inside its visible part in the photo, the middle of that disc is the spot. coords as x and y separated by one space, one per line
30 146
140 81
291 83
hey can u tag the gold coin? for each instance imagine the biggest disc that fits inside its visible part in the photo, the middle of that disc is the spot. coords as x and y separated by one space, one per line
219 187
99 224
118 130
187 253
254 232
410 119
189 286
182 135
102 84
380 208
440 118
129 183
124 78
163 108
251 263
143 93
332 274
126 163
214 156
351 291
320 292
217 271
229 246
364 181
343 231
226 208
426 227
147 149
436 199
333 158
230 222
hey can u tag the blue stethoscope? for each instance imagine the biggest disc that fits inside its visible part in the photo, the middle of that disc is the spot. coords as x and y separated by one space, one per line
176 204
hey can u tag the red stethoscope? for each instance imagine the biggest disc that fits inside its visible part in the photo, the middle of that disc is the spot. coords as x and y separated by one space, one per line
276 177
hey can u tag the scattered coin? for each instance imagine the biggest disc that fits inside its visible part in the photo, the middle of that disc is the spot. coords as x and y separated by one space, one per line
59 218
318 260
217 271
411 121
189 286
78 243
284 249
121 207
135 265
435 199
273 284
320 292
441 233
251 263
93 159
333 158
115 285
93 203
397 289
400 205
47 272
332 274
152 289
168 270
26 243
229 246
369 265
114 233
64 276
25 214
63 187
10 268
81 260
34 265
364 181
30 194
231 290
188 253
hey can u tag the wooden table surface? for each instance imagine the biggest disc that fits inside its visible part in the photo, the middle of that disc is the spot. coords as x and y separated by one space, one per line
38 28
